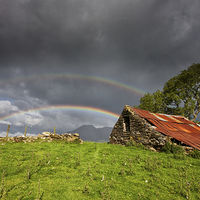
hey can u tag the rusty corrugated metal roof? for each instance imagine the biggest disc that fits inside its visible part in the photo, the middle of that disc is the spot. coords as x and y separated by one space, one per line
174 126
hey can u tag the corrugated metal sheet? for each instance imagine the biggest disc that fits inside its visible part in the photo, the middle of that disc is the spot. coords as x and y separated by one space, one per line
174 126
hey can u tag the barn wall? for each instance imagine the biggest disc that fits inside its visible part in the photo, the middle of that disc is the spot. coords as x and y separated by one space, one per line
131 126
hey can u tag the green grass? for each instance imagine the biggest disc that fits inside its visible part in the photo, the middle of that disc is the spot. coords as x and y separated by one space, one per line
60 170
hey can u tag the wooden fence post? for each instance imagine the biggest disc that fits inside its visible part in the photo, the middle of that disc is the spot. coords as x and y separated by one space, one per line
7 131
54 130
25 131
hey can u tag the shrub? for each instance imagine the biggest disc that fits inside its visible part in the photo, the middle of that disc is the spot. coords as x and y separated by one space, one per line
130 143
195 153
166 148
141 146
177 150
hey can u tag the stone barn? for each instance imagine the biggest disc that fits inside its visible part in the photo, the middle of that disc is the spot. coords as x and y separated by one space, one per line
153 129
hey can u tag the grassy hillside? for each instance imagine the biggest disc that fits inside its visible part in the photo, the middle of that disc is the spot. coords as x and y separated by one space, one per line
59 170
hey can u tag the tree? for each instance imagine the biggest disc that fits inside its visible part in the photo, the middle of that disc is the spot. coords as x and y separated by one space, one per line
180 95
184 91
153 102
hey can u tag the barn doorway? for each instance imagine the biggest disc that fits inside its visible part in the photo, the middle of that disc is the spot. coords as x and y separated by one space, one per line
126 124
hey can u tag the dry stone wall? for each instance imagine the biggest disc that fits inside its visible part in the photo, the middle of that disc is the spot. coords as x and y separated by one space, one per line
131 126
45 137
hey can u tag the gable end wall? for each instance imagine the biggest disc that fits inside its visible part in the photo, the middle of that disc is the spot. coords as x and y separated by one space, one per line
139 130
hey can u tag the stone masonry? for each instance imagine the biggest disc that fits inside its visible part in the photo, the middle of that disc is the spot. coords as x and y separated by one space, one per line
45 137
131 126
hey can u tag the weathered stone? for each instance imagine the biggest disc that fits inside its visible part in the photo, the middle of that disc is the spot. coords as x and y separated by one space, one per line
21 138
76 134
45 133
152 149
35 137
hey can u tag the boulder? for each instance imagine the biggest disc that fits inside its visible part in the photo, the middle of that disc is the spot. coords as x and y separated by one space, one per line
45 133
75 134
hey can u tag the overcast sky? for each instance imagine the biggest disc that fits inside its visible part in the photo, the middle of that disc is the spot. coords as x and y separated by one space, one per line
95 53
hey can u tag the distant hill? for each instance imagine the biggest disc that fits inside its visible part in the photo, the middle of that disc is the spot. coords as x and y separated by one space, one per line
90 133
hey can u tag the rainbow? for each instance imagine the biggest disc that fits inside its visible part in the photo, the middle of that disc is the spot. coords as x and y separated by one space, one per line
75 76
63 107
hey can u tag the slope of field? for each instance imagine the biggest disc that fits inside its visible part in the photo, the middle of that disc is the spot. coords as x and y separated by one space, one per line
59 170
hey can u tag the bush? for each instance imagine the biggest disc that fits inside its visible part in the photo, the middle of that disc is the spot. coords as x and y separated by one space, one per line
141 146
166 148
130 143
177 150
195 153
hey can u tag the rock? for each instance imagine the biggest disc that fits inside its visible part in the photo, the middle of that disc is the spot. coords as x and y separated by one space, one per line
35 137
21 138
46 133
152 149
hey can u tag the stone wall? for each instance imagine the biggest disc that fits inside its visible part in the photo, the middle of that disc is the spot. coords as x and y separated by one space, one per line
45 137
131 126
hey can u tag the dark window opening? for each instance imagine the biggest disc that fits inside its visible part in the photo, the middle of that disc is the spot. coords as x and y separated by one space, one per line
178 142
127 124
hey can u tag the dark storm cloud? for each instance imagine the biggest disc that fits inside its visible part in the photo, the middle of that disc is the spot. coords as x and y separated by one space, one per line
156 34
139 43
35 30
88 35
87 32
